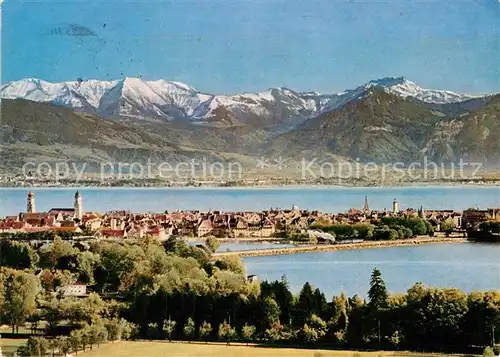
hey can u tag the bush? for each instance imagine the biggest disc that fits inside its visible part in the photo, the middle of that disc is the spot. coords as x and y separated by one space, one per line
488 352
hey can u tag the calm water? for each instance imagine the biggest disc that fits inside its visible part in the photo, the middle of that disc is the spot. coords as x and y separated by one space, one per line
468 266
238 247
328 199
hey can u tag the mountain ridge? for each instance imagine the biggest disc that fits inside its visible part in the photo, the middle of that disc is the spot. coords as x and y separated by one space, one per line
277 109
385 120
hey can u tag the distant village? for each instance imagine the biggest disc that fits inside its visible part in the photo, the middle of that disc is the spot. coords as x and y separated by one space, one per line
196 224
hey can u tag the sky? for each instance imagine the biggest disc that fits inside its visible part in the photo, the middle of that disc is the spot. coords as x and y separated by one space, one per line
231 46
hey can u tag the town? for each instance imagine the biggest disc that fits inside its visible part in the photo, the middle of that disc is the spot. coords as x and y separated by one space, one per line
267 224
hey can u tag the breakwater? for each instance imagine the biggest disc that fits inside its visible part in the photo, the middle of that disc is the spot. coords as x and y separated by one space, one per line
348 246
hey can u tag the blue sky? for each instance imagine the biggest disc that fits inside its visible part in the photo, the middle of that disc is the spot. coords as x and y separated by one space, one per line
228 46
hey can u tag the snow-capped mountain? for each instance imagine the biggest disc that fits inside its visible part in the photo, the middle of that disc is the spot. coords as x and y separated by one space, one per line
167 100
405 88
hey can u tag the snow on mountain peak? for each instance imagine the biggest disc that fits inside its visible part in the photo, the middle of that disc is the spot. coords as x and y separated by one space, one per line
405 88
169 100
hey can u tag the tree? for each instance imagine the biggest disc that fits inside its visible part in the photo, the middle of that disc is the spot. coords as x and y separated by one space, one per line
35 346
75 340
340 315
17 255
87 262
97 334
59 254
309 334
447 227
53 345
430 228
226 332
189 329
305 305
86 337
314 330
212 243
128 329
247 332
232 263
116 329
482 320
169 328
395 339
275 332
205 330
63 344
271 311
377 294
19 292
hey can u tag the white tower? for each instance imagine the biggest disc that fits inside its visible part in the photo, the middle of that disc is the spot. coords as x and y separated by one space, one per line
30 207
395 206
78 206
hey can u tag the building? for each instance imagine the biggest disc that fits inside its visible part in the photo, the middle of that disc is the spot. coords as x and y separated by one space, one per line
76 289
252 279
205 227
421 212
366 208
472 218
73 213
78 206
30 207
395 206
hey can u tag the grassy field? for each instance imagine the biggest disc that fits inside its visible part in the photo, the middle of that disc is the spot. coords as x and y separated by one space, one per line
10 345
156 349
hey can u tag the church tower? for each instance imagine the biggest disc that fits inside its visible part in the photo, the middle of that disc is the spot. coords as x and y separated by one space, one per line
366 208
78 206
421 212
30 207
395 206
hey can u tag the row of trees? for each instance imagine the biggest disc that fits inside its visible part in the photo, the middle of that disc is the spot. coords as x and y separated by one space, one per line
387 228
422 319
83 338
176 291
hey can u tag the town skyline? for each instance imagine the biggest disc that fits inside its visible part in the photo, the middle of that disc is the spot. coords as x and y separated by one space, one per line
222 224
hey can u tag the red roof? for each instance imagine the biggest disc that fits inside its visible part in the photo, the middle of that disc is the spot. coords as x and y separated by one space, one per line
88 217
113 232
64 229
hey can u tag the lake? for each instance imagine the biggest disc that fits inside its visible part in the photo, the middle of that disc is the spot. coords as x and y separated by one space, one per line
238 247
327 199
467 266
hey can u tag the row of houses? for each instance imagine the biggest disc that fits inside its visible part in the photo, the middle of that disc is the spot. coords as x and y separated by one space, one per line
264 224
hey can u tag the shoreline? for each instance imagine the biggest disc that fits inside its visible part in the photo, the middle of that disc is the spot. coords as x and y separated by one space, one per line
347 246
259 187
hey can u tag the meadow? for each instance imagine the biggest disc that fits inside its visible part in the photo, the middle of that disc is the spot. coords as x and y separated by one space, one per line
177 349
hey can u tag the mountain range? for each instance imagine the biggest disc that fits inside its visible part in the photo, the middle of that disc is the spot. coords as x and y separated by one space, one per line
383 120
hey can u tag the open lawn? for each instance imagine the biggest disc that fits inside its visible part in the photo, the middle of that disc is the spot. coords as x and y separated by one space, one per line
10 345
175 349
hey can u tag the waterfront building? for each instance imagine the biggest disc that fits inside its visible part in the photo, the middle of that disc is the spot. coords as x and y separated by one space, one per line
395 206
30 207
78 206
